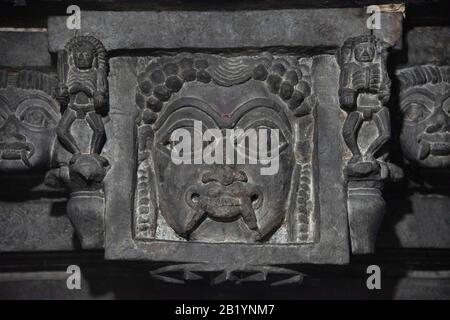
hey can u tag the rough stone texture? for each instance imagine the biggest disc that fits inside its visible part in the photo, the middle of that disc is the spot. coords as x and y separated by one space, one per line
428 45
28 226
213 30
32 217
20 49
416 221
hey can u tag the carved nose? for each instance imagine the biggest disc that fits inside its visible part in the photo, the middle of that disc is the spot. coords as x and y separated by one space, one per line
225 175
10 132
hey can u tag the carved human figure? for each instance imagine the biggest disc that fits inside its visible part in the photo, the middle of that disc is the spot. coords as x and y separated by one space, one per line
83 91
28 119
364 89
83 96
363 92
425 113
219 201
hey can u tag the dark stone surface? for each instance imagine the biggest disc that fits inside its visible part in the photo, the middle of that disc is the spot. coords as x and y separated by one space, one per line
20 49
428 45
32 216
419 220
214 30
411 275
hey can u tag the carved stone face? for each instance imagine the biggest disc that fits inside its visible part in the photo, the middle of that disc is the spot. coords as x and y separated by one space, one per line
425 134
364 52
225 196
27 131
83 55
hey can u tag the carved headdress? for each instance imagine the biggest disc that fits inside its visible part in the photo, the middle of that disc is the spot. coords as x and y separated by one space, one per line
420 75
161 79
96 45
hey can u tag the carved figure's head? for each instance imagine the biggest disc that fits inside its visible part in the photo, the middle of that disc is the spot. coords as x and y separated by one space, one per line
224 200
364 51
425 111
360 49
28 120
87 52
83 55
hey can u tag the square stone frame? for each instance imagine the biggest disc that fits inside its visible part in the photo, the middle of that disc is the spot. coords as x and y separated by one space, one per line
332 246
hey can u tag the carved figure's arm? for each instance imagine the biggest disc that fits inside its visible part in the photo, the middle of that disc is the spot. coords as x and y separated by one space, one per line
347 93
101 92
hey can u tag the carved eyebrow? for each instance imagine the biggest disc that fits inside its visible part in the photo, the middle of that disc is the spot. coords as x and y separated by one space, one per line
276 121
178 104
247 106
48 107
285 131
169 125
414 91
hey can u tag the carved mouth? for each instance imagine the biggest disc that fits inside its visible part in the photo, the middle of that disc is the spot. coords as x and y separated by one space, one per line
223 208
83 64
437 145
365 57
223 198
17 151
440 148
225 204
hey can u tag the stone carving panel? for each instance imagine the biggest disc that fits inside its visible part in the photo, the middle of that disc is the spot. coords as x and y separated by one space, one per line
31 216
29 116
325 111
218 212
221 202
425 114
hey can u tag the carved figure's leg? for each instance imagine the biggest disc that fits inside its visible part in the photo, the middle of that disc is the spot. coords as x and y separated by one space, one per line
63 131
383 124
349 132
99 136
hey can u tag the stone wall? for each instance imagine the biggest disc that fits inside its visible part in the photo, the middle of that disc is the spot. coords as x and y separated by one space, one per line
86 176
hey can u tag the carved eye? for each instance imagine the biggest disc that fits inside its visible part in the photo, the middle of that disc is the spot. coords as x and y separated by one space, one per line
36 113
275 138
259 138
86 55
415 112
186 139
37 117
446 106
